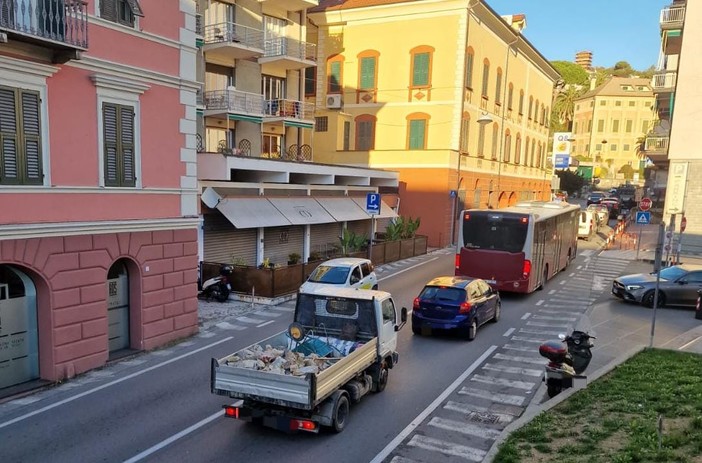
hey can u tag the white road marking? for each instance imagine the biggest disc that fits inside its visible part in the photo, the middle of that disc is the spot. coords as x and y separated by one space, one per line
229 326
447 448
112 383
549 332
579 267
174 437
494 396
563 282
509 331
525 339
469 409
689 343
553 291
511 358
502 382
514 370
264 324
206 334
547 317
526 315
598 283
432 406
520 348
399 459
267 313
253 321
408 268
464 428
539 302
572 274
547 325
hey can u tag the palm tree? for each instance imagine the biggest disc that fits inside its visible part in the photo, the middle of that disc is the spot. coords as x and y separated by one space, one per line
640 147
564 104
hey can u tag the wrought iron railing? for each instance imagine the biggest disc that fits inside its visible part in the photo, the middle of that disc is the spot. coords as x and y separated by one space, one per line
285 46
233 33
664 80
672 15
289 108
657 143
64 21
234 101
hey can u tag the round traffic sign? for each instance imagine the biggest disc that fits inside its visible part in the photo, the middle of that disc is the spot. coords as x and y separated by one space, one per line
645 204
683 224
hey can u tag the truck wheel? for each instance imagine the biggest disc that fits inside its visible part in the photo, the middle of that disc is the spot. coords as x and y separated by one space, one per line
380 381
341 413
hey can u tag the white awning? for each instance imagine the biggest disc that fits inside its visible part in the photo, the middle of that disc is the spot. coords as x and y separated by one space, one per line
302 210
342 208
386 212
251 212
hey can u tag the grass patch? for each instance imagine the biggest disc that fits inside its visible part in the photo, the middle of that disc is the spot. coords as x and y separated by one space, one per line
615 419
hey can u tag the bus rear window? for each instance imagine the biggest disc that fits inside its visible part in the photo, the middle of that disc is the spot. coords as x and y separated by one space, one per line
495 232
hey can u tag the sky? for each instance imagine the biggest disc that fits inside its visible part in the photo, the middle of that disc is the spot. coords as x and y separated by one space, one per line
613 30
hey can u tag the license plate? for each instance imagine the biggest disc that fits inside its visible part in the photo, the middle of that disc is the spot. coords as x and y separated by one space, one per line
492 282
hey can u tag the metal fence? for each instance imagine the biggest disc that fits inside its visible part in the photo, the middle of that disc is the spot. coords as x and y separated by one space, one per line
58 20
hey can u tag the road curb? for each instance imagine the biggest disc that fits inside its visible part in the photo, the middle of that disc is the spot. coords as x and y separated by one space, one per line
534 410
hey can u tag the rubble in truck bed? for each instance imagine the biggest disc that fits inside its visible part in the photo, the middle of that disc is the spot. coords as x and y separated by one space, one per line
304 358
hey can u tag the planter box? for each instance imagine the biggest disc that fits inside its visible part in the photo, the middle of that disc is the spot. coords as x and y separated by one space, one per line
392 251
378 253
407 248
288 279
420 245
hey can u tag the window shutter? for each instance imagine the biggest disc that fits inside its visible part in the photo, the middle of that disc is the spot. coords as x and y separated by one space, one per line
135 7
416 138
469 70
335 77
108 9
420 75
31 126
8 137
109 122
367 73
127 141
365 135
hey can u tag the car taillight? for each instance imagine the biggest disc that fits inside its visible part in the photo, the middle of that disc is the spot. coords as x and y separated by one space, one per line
415 304
526 269
465 307
458 261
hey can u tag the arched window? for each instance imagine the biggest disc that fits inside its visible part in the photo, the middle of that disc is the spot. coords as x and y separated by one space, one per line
531 107
470 56
486 78
368 70
417 129
508 146
495 141
465 132
335 74
518 149
498 87
365 132
526 152
510 95
521 102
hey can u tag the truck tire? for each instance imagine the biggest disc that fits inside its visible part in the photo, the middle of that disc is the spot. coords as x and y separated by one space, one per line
341 413
380 378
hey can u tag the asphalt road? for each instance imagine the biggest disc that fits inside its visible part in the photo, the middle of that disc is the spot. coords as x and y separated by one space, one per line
157 407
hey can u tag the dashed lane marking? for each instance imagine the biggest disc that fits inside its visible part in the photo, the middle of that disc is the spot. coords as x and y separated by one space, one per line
507 399
509 331
253 321
539 302
519 348
548 317
552 291
526 315
264 324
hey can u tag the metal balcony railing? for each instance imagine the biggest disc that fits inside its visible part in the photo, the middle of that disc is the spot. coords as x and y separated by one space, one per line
233 33
664 80
672 15
64 21
200 97
285 46
234 101
657 143
289 108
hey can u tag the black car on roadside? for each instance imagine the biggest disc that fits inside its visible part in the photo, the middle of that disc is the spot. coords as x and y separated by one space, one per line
595 198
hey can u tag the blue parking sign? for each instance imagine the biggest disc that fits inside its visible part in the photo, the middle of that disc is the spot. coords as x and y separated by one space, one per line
373 203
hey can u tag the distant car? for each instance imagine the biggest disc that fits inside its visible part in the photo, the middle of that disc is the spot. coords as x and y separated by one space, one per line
601 211
348 272
613 205
678 286
455 303
595 198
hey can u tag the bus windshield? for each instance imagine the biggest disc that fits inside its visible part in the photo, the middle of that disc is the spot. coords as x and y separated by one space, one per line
495 231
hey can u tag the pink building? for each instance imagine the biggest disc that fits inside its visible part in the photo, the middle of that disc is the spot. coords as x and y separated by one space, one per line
98 201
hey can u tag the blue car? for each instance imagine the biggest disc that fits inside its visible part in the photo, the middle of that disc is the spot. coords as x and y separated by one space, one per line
455 303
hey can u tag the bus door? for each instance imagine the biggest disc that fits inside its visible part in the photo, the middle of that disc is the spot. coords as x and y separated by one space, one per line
539 242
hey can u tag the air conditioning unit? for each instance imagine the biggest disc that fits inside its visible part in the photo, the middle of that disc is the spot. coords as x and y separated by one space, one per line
334 101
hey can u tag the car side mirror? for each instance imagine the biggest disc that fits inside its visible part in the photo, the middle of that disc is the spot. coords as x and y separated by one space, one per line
403 319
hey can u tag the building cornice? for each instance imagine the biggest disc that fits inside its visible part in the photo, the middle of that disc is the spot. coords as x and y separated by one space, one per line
118 83
27 67
43 230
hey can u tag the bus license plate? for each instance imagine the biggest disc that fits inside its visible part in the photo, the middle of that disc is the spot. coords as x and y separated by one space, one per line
492 282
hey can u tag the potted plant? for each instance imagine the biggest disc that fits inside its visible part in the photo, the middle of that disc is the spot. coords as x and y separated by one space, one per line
294 258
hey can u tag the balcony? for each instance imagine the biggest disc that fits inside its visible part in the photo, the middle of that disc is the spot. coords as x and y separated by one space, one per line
664 81
235 104
290 111
291 5
286 54
672 17
59 25
228 41
656 148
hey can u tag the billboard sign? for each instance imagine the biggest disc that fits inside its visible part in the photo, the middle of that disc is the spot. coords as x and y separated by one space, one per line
561 150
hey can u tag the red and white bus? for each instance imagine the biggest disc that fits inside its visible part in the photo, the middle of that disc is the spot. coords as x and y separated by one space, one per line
519 248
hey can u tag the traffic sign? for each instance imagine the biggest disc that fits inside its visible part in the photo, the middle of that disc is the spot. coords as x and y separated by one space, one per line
643 218
683 224
373 203
645 204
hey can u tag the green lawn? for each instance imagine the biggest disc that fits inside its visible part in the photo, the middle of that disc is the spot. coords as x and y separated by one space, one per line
616 418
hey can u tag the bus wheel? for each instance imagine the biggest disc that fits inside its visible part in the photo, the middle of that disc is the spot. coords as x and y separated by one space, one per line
545 277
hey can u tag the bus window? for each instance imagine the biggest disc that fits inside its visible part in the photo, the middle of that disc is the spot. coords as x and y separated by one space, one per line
495 231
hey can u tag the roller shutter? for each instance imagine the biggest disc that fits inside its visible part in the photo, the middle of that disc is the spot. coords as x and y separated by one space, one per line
224 243
324 237
360 227
279 242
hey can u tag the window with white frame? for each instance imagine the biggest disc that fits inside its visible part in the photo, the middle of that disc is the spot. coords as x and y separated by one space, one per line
122 12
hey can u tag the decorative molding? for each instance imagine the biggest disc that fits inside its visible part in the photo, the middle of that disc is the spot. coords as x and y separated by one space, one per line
54 189
28 67
27 231
118 83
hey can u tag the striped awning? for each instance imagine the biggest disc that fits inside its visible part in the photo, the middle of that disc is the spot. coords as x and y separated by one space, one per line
245 118
299 124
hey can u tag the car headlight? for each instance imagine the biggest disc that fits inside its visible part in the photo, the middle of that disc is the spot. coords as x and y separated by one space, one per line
633 287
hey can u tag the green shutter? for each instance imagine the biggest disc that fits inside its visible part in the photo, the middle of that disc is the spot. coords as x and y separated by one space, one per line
31 131
9 169
420 76
109 122
416 136
108 9
335 77
469 70
126 119
367 73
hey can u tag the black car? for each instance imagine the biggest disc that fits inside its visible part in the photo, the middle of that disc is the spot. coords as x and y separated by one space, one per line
614 206
595 198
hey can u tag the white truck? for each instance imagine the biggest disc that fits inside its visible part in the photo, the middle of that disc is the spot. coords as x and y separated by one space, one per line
339 347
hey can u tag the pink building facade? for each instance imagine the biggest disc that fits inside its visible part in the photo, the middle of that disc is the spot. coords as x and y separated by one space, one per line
98 184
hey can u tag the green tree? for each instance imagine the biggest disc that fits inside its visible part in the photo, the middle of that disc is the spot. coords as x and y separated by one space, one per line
572 73
570 181
622 69
627 170
564 104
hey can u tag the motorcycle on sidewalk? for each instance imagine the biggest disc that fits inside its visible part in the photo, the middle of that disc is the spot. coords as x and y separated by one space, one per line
217 287
568 359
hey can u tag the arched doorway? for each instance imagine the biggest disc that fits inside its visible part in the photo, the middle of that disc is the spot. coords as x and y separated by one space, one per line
512 198
502 200
118 306
19 337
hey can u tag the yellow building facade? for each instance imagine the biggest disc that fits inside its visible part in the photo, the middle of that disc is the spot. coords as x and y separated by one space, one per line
609 122
447 93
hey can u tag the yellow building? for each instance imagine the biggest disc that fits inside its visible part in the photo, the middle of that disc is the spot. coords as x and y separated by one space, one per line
609 123
447 93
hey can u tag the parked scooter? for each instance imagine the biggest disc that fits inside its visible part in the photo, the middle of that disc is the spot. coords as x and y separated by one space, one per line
566 361
218 287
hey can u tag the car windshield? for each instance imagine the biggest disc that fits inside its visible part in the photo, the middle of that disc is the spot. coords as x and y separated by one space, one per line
330 275
442 293
672 273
